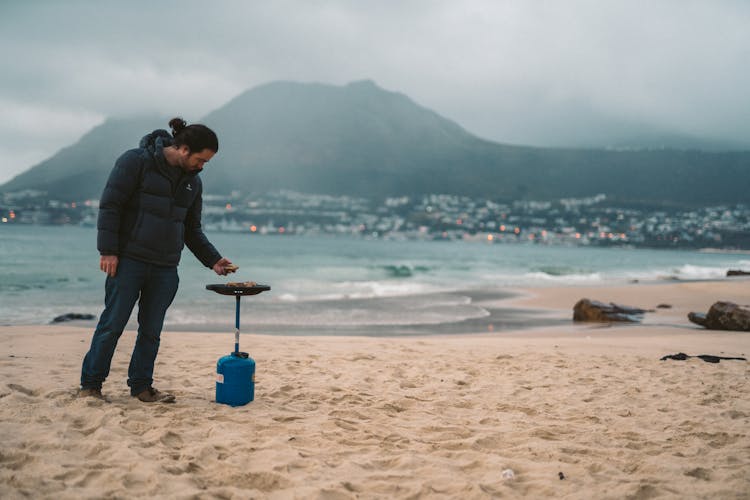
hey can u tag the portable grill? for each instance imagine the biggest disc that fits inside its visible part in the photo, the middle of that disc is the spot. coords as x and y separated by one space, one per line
235 373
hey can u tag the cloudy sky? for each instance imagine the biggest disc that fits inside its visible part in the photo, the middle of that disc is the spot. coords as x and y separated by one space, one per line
556 72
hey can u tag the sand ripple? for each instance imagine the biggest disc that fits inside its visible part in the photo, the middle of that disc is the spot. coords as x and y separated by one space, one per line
377 418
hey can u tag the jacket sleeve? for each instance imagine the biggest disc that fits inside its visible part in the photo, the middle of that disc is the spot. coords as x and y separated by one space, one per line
195 239
121 185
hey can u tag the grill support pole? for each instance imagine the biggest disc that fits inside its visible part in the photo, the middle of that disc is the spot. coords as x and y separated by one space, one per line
237 326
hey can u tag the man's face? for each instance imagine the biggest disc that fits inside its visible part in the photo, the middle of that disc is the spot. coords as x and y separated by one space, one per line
193 162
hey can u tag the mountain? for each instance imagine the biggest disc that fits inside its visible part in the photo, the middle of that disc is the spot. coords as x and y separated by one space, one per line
362 140
80 171
357 139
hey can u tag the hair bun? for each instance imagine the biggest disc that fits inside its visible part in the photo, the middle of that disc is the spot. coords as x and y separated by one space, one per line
177 125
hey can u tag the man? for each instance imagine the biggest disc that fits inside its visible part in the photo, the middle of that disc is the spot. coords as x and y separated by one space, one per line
150 208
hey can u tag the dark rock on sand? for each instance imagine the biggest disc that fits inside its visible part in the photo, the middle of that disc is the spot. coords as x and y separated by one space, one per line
72 317
723 316
738 272
664 306
593 310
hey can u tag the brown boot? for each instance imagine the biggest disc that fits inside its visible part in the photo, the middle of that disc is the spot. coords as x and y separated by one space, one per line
152 395
92 393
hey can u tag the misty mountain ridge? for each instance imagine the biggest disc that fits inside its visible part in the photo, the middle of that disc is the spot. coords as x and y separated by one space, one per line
656 139
361 140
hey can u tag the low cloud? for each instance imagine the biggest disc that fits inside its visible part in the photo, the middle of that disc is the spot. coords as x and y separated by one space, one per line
582 72
32 132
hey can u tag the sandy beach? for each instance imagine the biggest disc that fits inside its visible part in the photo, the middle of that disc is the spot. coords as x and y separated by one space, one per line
421 417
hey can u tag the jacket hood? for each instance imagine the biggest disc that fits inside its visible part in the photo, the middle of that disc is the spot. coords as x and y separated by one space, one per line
154 143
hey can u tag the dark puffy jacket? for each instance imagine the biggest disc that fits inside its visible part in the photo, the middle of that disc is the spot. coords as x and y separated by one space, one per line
149 210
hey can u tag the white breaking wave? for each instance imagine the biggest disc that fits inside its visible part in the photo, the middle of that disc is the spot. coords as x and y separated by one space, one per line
424 310
532 278
692 272
345 290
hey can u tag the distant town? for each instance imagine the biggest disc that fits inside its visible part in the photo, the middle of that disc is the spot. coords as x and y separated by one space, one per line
594 221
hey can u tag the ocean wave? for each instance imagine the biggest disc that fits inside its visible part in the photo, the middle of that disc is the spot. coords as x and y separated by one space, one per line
403 270
414 310
683 272
558 270
348 290
693 272
686 272
563 278
20 287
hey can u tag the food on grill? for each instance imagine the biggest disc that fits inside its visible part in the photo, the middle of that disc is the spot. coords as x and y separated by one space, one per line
242 284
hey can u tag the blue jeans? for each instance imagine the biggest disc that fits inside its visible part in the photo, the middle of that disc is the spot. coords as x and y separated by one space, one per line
156 286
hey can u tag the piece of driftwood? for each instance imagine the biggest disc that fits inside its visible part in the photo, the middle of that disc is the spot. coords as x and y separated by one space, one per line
708 358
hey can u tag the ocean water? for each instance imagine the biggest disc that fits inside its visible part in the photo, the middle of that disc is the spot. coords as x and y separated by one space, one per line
334 285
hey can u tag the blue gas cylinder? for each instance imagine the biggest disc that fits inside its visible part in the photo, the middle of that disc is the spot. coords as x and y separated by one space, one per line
235 379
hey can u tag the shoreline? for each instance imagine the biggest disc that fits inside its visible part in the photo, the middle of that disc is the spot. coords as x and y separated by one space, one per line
507 310
500 316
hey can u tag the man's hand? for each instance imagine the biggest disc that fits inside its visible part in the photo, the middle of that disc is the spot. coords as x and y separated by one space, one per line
220 267
108 264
